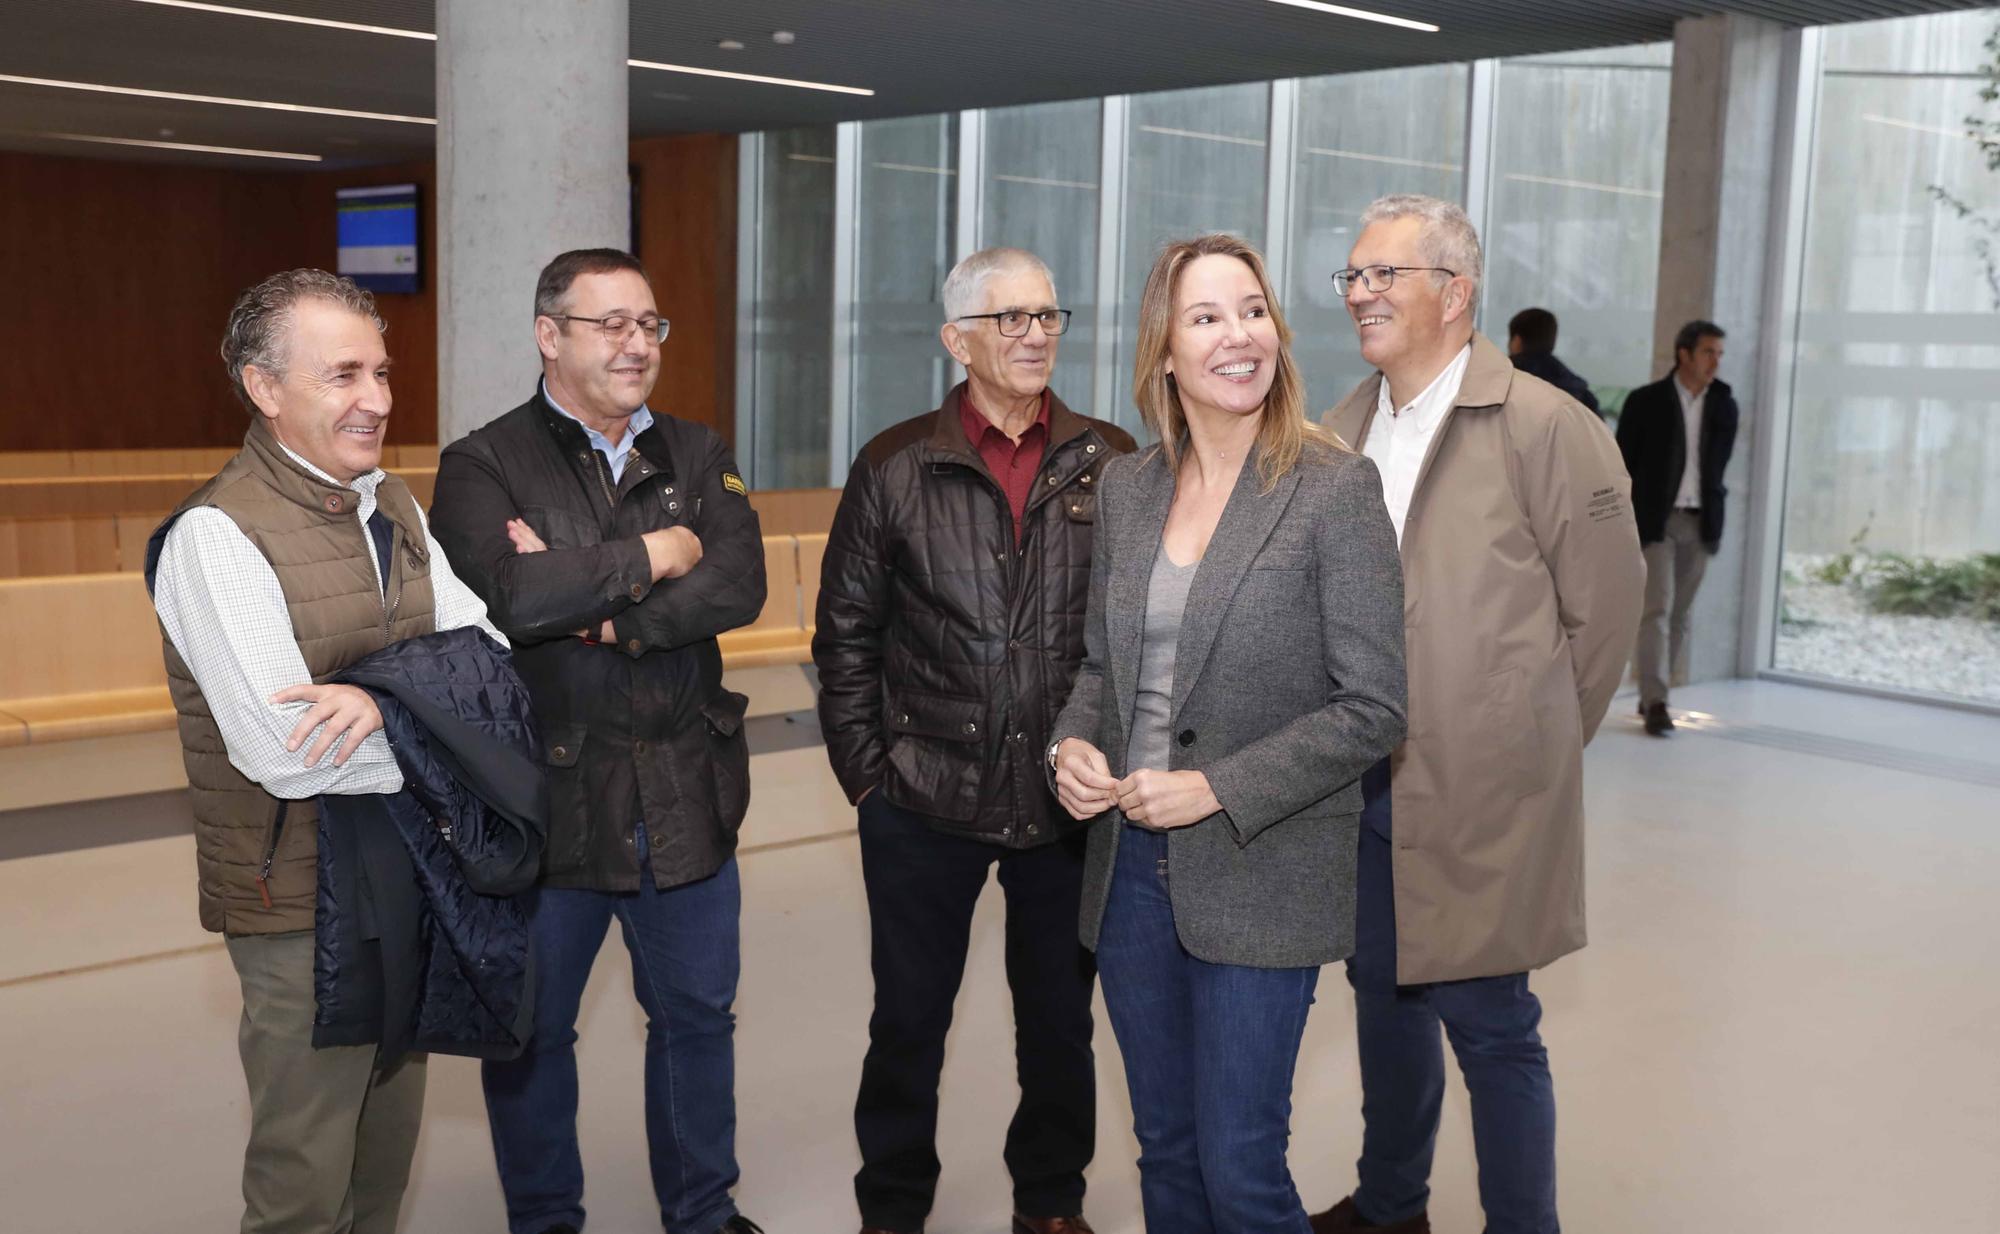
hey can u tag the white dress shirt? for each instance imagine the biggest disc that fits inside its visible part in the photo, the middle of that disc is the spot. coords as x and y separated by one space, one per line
222 606
1399 440
1689 497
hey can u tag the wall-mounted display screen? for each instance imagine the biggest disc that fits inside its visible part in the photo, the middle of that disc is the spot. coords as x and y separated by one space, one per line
379 232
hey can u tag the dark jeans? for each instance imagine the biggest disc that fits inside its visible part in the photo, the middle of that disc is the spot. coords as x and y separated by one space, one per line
1210 1051
1492 1024
685 959
922 885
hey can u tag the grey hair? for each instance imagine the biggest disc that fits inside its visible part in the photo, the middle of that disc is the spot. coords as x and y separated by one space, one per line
260 326
966 283
1448 238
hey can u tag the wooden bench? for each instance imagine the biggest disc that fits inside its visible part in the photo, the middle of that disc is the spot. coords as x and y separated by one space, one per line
84 660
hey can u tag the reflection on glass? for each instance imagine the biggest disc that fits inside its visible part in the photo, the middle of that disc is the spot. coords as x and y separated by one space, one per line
1041 194
1195 162
793 320
1579 160
1360 136
906 231
1893 471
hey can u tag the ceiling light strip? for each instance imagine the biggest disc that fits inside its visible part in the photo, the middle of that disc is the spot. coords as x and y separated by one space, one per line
179 97
178 145
691 71
1341 10
292 18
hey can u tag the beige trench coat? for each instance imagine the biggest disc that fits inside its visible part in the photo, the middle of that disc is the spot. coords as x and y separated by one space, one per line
1522 584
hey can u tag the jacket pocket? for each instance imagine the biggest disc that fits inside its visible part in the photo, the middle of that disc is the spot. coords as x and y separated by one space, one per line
1512 738
569 797
729 756
1080 507
936 751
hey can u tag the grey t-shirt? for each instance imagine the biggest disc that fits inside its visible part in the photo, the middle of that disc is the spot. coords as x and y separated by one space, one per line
1166 600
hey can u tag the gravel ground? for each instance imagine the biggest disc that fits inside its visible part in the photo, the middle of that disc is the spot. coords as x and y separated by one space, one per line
1828 630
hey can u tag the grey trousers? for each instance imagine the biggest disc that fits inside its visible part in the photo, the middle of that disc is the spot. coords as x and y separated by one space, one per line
1674 567
331 1136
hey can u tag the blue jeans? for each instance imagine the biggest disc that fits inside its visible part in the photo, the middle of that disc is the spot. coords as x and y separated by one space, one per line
685 959
1492 1023
1209 1055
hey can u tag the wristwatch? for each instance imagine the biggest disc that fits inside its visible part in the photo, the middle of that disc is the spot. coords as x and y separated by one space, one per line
1053 747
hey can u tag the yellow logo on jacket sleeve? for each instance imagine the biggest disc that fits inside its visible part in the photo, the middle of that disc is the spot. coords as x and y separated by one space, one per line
734 483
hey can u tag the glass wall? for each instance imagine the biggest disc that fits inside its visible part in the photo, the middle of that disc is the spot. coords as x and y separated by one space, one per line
905 239
1573 151
791 372
1360 136
1041 167
1893 473
1579 158
1194 162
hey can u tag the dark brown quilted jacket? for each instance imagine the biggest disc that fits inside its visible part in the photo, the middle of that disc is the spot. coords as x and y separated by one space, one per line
945 653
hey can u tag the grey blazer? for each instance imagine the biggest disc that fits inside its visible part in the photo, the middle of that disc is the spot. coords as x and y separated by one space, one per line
1288 684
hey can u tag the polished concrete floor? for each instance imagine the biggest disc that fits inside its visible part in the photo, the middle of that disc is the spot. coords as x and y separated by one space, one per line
1788 1018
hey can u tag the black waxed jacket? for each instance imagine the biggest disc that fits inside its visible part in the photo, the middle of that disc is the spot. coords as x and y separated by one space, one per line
640 728
944 652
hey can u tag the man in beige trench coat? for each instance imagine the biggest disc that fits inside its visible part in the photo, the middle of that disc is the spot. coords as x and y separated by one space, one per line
1522 581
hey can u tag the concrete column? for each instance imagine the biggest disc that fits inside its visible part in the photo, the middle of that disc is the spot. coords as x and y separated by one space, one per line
1715 244
531 160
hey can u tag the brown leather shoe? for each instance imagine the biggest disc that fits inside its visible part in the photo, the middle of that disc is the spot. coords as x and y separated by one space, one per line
1341 1219
1051 1225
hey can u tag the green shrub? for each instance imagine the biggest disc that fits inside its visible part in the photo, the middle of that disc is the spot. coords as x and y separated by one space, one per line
1926 587
1836 570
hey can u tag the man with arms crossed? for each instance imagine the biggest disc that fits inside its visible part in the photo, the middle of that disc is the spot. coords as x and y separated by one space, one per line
299 558
950 629
1520 576
614 543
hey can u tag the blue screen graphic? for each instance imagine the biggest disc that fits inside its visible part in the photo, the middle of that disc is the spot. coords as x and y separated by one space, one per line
378 236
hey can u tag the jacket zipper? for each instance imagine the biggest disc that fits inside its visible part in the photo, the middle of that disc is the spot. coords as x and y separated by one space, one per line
396 601
271 852
599 469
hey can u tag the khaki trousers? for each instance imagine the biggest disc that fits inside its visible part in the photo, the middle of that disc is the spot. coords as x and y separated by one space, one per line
1674 567
331 1136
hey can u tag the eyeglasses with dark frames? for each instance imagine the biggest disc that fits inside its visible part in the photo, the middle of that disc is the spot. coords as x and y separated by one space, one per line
1379 279
616 325
1014 322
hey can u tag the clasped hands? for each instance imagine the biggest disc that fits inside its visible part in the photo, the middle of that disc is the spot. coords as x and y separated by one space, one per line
670 553
1160 800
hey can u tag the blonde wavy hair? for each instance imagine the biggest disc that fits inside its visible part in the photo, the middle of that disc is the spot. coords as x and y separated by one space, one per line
1283 435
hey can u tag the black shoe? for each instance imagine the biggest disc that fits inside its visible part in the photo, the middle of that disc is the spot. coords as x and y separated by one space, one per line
1658 722
740 1224
564 1228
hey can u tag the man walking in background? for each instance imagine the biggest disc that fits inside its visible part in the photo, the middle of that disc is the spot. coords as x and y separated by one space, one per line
1676 435
1531 341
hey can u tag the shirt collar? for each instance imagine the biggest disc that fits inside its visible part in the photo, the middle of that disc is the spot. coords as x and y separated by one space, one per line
1436 399
641 420
977 425
1688 396
361 484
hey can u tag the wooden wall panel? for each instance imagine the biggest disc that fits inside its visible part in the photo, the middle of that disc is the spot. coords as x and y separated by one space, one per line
119 278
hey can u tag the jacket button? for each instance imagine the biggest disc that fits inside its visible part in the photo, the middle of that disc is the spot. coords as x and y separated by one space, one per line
1085 477
1187 737
1090 449
1006 831
669 490
673 506
560 751
637 591
333 504
632 645
1034 830
971 729
903 718
1076 509
1052 481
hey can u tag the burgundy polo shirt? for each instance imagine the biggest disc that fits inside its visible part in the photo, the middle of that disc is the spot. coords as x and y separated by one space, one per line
1013 465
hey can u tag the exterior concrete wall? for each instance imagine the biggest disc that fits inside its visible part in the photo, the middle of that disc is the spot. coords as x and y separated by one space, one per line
531 159
1715 237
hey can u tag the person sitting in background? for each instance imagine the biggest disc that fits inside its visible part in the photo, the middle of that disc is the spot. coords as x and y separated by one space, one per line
1531 340
1243 666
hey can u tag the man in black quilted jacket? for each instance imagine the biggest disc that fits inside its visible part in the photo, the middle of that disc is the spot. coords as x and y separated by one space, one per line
950 627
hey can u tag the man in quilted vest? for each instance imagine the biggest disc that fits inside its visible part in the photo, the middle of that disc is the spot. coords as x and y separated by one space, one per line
299 558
